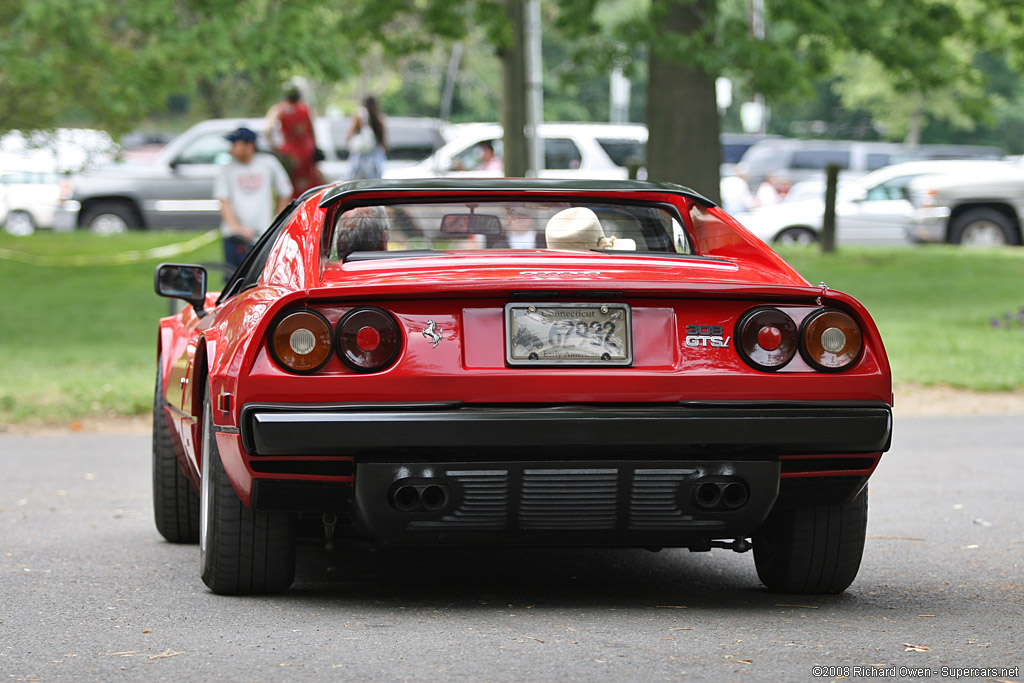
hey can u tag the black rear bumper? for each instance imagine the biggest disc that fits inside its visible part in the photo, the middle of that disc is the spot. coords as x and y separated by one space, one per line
697 429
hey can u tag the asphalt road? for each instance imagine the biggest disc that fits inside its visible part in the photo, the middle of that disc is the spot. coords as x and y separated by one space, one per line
91 593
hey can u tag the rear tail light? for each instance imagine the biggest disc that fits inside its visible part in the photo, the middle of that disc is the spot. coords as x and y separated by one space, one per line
767 338
831 340
368 339
301 342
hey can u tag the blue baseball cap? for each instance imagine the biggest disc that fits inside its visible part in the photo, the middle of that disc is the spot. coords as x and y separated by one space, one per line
244 134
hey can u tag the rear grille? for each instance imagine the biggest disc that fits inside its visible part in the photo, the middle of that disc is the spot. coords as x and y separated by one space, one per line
655 500
484 502
569 499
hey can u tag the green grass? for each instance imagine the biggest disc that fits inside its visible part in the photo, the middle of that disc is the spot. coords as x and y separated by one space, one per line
79 340
934 307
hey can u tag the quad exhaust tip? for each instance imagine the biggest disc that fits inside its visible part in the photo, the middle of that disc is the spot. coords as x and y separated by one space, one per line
721 495
409 497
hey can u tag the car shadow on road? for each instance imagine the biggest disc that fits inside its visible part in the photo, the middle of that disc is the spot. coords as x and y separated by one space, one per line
552 577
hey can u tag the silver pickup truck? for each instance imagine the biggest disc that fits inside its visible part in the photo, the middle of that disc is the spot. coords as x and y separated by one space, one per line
983 207
174 189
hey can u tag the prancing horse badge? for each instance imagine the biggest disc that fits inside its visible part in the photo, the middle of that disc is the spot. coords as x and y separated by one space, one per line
433 333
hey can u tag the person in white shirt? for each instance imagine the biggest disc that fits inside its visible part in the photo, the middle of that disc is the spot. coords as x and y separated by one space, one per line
252 189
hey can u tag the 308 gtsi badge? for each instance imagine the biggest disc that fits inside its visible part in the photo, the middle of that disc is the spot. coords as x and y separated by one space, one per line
589 363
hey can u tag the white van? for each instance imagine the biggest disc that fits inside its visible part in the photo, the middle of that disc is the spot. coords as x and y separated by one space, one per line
571 150
29 194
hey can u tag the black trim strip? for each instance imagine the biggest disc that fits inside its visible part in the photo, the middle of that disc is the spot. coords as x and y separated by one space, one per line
789 428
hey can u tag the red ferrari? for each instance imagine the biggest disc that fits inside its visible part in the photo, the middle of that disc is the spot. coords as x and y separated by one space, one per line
517 362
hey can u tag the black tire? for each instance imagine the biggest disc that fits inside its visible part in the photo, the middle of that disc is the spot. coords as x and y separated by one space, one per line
106 218
796 237
175 501
242 551
812 550
982 227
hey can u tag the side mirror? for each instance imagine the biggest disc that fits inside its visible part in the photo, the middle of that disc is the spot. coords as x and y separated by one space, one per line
180 281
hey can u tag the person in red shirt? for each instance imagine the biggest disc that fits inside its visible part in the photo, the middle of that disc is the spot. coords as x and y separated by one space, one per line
293 121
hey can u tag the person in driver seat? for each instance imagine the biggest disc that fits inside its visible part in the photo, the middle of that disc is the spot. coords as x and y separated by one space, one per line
364 228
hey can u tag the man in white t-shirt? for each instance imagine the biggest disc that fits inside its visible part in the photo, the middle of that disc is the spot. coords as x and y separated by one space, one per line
252 189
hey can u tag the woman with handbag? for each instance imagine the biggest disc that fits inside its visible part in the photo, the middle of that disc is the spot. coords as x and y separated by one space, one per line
367 142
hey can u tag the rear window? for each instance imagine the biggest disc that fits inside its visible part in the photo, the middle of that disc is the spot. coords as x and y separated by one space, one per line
624 151
475 225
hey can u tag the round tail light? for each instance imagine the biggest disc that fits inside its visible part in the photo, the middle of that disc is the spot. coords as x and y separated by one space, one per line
766 338
368 339
831 340
301 342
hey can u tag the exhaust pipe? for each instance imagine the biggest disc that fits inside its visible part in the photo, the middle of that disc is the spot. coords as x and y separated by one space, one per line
406 498
734 495
721 495
708 495
419 495
433 498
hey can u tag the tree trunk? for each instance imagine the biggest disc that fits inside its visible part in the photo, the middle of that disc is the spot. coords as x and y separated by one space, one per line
682 112
513 101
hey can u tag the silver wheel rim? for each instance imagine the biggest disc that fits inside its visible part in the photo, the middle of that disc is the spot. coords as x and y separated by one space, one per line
983 233
205 485
20 224
108 224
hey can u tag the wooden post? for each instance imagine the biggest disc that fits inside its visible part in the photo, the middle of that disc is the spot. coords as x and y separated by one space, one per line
828 227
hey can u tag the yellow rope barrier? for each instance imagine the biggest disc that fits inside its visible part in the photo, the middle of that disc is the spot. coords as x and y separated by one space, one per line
112 259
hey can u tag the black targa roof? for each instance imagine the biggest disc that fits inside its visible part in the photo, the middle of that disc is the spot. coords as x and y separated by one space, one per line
500 186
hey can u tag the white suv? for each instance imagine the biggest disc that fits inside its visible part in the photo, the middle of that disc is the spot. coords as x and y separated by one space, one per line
571 150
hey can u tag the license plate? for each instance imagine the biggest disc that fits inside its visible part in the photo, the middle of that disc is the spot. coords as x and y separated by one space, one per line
568 334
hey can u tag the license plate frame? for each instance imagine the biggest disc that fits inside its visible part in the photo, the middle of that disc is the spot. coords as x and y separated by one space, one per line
544 327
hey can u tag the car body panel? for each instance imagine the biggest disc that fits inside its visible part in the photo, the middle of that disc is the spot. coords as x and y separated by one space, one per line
445 394
31 187
939 197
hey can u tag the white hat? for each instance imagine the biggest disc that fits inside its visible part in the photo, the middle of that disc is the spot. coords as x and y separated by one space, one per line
579 228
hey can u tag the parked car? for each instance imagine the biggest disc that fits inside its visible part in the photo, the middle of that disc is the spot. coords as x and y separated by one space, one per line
643 372
979 207
174 188
873 209
571 150
799 160
29 194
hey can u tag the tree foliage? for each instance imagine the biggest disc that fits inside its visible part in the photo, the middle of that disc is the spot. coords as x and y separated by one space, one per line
112 62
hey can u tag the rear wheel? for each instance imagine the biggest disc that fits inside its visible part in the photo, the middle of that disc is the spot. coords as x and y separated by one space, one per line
814 549
796 237
110 218
241 550
175 502
982 228
19 223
